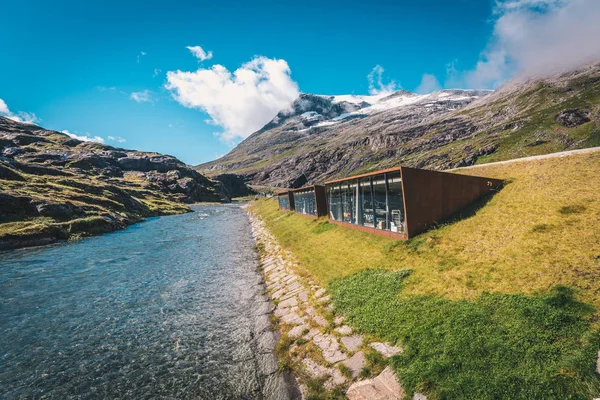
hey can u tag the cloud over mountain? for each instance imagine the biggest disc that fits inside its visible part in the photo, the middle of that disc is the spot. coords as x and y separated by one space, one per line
241 101
538 37
20 116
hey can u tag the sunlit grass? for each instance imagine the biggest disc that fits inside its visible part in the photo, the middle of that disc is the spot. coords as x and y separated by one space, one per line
502 303
540 230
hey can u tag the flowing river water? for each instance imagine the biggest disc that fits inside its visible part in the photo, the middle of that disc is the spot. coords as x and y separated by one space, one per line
169 308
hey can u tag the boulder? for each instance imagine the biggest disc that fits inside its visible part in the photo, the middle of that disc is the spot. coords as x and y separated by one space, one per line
15 205
50 158
149 163
572 118
87 161
112 171
235 185
59 211
20 139
9 174
36 169
12 151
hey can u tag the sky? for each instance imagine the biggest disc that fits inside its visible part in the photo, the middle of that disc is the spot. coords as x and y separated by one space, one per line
194 78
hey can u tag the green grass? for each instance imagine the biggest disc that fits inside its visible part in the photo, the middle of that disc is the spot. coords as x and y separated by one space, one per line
539 231
502 303
497 346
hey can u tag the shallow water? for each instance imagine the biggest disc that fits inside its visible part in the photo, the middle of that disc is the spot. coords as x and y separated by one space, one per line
165 309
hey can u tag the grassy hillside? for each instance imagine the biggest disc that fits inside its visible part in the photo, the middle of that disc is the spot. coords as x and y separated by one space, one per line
54 187
525 117
500 304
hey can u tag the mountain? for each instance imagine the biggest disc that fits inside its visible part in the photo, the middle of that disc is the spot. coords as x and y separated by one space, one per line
323 137
55 187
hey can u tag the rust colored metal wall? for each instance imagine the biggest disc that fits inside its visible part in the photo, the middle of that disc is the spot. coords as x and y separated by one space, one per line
321 199
292 203
432 196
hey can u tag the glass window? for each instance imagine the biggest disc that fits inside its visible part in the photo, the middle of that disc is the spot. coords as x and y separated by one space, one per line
379 202
374 201
366 202
284 201
304 202
334 195
348 193
395 203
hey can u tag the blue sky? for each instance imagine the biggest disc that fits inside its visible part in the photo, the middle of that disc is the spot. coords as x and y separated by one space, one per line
78 65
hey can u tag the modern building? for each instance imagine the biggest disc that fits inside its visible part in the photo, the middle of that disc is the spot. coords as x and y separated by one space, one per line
286 200
310 200
402 202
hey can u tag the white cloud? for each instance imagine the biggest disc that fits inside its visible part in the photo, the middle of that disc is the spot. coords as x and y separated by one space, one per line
156 72
20 116
84 137
199 53
139 56
241 102
376 84
145 96
429 83
106 89
538 37
4 108
117 139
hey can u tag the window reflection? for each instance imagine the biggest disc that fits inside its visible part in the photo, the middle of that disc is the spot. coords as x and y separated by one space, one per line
304 202
373 201
284 201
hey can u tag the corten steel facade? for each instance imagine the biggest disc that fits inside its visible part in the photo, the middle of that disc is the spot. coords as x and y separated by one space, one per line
310 201
402 202
286 200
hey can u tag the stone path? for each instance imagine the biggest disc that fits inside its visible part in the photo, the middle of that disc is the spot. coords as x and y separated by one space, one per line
322 346
531 158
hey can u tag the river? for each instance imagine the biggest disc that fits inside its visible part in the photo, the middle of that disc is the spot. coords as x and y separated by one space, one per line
169 308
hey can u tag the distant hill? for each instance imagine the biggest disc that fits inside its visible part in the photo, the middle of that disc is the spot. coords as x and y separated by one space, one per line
330 136
55 187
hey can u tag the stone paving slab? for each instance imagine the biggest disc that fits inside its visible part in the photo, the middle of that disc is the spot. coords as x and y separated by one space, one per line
384 387
320 320
292 319
297 331
385 349
282 312
352 343
344 330
289 302
329 347
355 363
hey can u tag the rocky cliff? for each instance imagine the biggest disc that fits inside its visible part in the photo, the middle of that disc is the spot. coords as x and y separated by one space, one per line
54 187
323 137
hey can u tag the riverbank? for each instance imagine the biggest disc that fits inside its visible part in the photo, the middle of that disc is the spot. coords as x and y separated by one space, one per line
54 187
323 353
501 303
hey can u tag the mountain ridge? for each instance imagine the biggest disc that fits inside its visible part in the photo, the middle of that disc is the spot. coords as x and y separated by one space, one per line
321 138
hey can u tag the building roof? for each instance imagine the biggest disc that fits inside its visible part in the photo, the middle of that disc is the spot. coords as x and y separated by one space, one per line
304 188
396 169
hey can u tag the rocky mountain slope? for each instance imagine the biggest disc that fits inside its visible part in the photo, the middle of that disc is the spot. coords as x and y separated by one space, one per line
54 187
323 137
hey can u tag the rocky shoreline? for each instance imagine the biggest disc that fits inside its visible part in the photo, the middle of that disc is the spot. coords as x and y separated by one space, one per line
54 187
315 345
